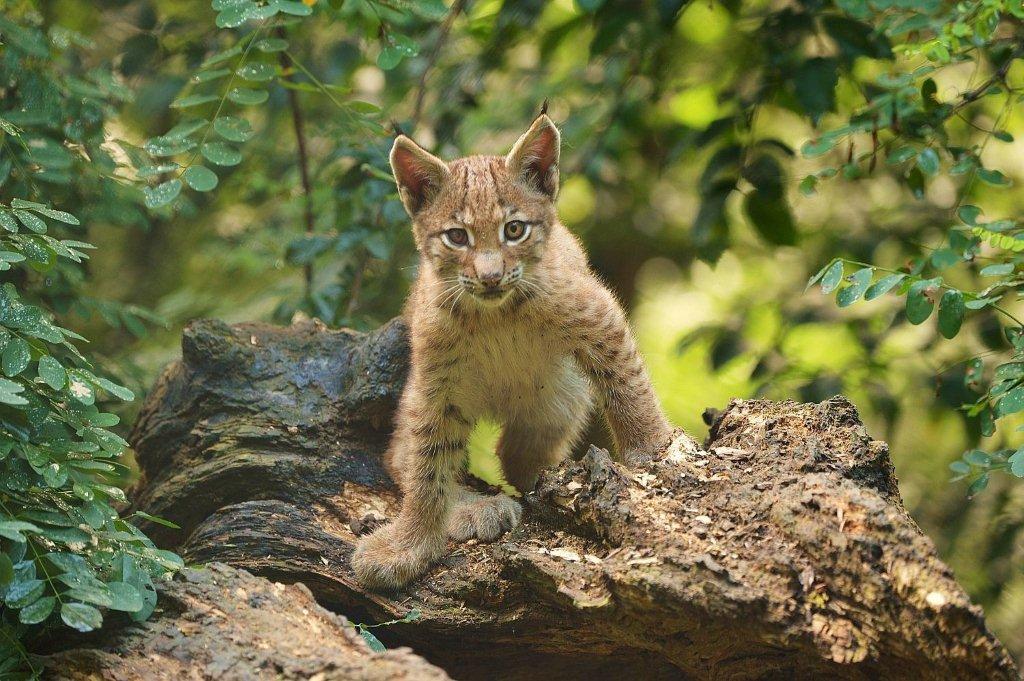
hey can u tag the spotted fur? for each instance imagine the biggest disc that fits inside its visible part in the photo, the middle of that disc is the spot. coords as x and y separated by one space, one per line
536 347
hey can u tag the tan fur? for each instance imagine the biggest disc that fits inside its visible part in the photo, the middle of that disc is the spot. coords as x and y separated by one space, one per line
536 361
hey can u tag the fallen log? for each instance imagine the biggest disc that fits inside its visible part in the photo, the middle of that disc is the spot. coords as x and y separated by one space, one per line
218 622
779 549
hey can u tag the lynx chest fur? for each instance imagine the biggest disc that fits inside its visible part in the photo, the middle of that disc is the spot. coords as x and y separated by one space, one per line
517 368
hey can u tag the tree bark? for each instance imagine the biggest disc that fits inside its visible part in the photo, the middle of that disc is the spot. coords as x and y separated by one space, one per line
218 622
778 549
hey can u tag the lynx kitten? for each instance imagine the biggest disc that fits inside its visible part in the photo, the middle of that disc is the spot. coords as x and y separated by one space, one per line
507 321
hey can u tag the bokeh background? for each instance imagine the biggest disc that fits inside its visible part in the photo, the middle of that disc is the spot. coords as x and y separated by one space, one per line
673 115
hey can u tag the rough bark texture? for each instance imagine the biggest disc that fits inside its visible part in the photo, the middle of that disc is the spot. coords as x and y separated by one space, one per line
218 622
779 549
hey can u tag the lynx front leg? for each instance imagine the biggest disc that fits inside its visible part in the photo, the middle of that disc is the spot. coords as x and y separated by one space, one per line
607 352
430 442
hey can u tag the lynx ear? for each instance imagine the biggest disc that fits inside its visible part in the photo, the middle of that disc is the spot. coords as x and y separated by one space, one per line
534 158
419 174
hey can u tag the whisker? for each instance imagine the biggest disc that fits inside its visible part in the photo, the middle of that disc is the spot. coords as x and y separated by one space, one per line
444 302
447 291
456 301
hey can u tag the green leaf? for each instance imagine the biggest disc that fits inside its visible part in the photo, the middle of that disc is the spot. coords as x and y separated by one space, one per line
125 597
58 215
977 457
200 178
389 57
821 273
292 7
1016 462
993 177
819 147
832 277
22 593
52 373
964 165
162 194
206 76
960 467
883 286
943 258
928 161
997 270
221 154
771 217
219 57
37 611
168 146
8 222
272 45
158 520
809 185
152 171
118 391
233 129
814 83
919 306
247 96
95 593
951 313
83 392
1010 403
6 569
259 72
900 155
1003 136
16 357
978 485
33 222
1010 370
859 282
372 641
193 100
235 15
81 616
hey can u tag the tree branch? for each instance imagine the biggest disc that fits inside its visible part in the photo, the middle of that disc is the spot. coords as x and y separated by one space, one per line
779 549
298 123
421 90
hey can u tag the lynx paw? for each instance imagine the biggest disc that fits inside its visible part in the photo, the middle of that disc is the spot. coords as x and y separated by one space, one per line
483 517
642 456
383 563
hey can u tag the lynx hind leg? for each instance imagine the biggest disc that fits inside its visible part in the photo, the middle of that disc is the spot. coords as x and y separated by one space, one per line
481 516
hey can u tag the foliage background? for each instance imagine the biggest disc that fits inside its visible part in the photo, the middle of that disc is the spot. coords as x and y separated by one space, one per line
682 125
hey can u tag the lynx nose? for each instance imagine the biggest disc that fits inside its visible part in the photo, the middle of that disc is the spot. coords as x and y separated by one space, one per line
490 279
489 269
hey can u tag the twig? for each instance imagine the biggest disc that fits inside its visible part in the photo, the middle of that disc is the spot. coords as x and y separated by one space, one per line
998 77
303 157
421 90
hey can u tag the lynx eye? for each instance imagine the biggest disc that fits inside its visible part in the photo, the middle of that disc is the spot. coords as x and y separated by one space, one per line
456 237
516 231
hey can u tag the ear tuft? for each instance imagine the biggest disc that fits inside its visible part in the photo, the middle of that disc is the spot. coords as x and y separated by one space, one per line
534 158
419 174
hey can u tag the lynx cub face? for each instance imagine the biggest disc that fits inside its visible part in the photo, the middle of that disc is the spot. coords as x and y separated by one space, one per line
482 223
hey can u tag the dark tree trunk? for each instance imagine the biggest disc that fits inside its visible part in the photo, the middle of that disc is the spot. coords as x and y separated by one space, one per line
779 549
